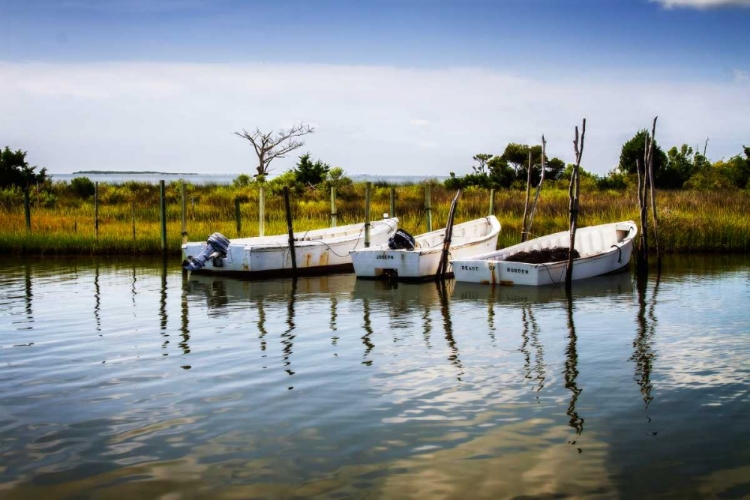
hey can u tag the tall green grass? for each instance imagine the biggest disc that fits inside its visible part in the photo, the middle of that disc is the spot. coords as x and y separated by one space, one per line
690 221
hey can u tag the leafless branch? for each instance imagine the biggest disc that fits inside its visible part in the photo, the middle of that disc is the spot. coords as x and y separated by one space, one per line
269 145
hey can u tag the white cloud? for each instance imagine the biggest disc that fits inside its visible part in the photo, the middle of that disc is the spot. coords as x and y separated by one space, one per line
180 117
703 4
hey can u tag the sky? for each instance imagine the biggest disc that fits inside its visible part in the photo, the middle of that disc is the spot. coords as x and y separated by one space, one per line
412 87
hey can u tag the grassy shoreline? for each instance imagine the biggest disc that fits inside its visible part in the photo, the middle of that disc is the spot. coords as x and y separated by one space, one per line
690 221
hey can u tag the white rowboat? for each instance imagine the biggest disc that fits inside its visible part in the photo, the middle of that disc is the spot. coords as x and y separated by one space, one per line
319 251
469 238
603 249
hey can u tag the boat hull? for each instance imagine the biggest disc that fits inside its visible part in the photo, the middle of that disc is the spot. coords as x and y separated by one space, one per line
493 269
421 264
314 252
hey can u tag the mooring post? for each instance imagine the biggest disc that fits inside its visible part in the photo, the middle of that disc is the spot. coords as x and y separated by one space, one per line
368 188
492 201
96 210
27 208
428 207
261 211
333 206
290 229
392 213
183 206
163 214
237 219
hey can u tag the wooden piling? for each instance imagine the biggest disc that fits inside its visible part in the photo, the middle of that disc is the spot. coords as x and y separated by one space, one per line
573 193
492 201
183 214
96 210
443 265
237 218
428 207
290 229
392 206
261 211
333 206
27 208
368 188
163 215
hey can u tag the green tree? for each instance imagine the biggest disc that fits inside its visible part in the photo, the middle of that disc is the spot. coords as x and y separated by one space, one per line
635 149
83 187
16 171
481 160
308 172
242 180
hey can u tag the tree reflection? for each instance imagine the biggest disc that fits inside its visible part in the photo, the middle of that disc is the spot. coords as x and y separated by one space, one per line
571 372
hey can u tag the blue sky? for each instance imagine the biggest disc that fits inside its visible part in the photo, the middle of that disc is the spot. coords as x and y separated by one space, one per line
429 63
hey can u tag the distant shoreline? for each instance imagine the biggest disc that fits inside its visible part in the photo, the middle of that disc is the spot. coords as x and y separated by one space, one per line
128 172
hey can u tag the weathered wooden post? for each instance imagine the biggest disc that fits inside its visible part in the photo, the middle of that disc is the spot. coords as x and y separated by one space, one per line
163 214
261 211
333 206
492 201
653 190
443 265
573 193
183 206
428 207
368 188
237 218
538 189
392 206
27 208
290 229
96 210
524 230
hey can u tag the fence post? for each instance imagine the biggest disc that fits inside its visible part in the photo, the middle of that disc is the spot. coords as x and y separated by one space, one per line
27 208
333 206
237 218
492 201
428 207
393 202
96 210
163 213
261 211
368 188
183 206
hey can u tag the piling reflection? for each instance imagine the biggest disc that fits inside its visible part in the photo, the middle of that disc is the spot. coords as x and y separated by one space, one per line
366 338
530 335
453 358
28 294
97 300
163 307
643 352
287 338
571 373
184 316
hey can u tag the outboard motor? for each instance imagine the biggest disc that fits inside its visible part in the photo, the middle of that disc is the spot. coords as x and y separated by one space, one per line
401 240
216 249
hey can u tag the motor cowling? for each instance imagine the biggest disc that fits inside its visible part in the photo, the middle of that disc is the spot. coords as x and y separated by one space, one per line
401 240
216 249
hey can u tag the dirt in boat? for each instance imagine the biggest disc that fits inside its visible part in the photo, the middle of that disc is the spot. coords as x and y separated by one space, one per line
556 254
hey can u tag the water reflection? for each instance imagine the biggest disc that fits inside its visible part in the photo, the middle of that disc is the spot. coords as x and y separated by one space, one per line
366 341
28 294
287 338
184 317
97 300
453 358
530 334
163 307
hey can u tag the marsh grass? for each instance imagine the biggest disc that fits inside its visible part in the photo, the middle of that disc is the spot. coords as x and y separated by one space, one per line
690 221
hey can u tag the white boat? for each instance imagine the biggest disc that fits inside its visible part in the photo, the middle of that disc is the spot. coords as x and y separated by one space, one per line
319 251
469 238
603 249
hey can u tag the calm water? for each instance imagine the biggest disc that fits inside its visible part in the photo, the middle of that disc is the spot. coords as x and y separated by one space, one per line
122 377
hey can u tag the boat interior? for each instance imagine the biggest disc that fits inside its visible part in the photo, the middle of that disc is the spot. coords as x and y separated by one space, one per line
462 233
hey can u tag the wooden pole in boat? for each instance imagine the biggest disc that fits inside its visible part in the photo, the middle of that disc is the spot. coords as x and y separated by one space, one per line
261 211
443 266
368 188
492 201
183 214
573 192
96 210
163 214
290 229
428 207
237 218
392 213
333 206
27 208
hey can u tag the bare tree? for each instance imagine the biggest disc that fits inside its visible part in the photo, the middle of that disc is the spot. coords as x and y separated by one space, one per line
271 145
